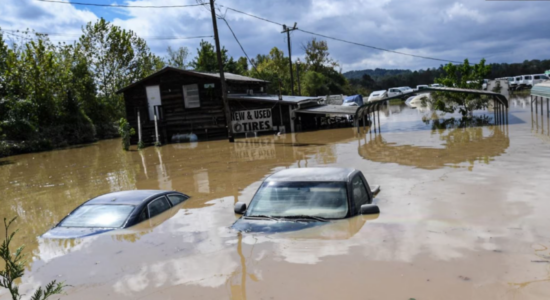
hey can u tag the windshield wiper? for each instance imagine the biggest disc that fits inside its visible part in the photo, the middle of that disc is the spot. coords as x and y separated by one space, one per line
320 219
260 217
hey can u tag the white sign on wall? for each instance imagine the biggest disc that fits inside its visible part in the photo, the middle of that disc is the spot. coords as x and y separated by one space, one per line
251 120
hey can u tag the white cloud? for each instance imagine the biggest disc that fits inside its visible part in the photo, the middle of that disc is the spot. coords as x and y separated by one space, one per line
458 10
465 29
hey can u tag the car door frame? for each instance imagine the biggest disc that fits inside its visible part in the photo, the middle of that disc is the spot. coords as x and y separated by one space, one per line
355 210
177 194
153 200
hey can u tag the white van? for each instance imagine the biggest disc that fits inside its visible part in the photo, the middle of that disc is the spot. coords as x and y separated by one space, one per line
519 81
377 95
526 80
538 78
512 83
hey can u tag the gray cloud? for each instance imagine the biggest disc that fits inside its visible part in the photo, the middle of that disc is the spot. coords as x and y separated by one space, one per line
498 31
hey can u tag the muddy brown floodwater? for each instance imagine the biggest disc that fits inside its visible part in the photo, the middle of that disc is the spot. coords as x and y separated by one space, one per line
465 215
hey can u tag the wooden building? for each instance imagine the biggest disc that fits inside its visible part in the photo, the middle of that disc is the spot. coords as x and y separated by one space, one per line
186 102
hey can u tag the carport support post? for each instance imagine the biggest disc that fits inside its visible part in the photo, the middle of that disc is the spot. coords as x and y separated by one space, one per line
156 129
139 128
222 75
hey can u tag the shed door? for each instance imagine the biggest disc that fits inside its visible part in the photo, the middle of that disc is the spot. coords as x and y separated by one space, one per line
153 99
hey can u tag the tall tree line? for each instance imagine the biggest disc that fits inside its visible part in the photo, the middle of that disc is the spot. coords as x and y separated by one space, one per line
55 94
366 81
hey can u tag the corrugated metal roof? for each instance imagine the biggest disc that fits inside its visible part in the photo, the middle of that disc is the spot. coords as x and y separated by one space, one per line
541 89
330 109
229 77
273 98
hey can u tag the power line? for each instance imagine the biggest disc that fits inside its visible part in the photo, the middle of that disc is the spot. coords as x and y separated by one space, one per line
238 42
345 41
377 48
121 5
11 31
259 18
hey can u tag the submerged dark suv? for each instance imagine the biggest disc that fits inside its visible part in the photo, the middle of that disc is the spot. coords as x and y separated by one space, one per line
294 199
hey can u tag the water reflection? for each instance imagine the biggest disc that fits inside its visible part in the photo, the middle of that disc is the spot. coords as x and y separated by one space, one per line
459 142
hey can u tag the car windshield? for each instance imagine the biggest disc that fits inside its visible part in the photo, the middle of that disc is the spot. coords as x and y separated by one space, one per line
111 216
287 199
375 94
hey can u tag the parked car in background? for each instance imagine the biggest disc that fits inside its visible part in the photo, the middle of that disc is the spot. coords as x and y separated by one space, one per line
300 198
436 85
406 89
421 87
377 95
394 92
115 211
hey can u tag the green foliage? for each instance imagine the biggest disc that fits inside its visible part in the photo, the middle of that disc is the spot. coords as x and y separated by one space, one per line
158 144
15 269
317 77
140 145
54 95
125 131
177 58
461 76
207 60
115 57
315 83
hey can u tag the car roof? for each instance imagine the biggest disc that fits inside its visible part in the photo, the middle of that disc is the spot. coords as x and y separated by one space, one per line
312 174
134 197
380 91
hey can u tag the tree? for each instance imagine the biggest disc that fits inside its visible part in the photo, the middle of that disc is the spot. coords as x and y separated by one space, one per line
461 76
116 57
206 59
315 84
317 55
177 58
15 269
273 68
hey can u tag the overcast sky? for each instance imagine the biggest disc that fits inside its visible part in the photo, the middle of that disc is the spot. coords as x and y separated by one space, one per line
500 31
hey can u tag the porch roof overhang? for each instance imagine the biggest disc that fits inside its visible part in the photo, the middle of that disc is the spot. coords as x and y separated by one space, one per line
329 109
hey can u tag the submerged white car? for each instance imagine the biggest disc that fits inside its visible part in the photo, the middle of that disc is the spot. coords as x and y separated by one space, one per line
377 95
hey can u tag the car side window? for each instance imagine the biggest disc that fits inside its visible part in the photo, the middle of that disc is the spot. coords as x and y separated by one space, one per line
177 199
158 206
360 195
143 215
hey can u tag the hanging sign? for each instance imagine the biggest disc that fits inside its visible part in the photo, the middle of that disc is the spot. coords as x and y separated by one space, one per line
251 120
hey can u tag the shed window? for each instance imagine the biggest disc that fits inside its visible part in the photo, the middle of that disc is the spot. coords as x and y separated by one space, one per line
191 96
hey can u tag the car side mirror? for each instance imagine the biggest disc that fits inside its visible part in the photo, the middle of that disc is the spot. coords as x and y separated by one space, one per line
240 208
369 209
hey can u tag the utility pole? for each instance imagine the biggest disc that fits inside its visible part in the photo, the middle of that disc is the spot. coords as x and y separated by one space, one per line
222 75
298 63
288 30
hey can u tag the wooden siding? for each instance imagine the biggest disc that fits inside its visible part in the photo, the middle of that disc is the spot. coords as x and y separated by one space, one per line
206 121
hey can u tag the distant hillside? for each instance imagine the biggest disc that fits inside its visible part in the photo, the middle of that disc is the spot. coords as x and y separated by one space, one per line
375 73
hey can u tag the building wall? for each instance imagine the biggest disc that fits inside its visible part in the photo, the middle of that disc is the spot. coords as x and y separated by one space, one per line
207 121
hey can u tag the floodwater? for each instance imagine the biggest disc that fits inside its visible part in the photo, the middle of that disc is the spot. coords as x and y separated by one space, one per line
465 215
